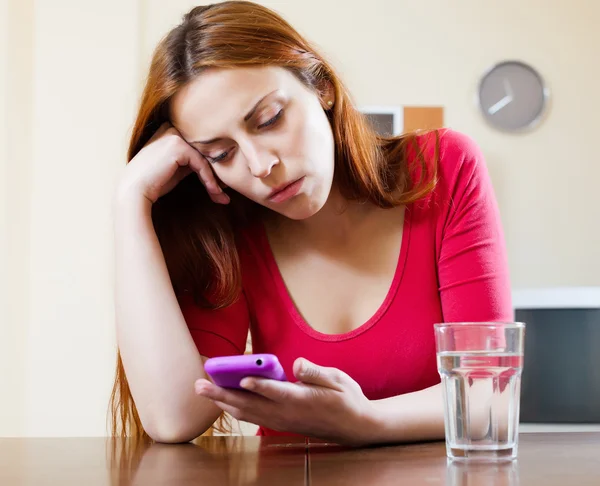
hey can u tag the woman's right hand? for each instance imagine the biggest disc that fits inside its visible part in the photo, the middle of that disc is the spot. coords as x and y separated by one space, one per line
163 162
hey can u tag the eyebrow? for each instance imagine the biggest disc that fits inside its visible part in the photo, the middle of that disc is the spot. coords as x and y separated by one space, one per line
246 118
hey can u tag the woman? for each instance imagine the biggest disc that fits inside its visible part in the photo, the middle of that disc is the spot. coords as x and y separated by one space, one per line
258 198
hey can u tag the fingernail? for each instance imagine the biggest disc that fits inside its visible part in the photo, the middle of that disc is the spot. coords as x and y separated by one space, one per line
248 384
302 369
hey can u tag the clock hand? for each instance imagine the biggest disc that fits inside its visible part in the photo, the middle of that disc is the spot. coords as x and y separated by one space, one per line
507 87
496 107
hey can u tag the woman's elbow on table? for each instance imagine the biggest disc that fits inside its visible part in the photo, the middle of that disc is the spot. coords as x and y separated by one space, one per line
175 430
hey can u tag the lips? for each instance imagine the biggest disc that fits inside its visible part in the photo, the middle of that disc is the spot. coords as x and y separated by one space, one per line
286 191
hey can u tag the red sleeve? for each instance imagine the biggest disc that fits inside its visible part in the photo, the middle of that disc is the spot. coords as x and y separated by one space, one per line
220 332
472 262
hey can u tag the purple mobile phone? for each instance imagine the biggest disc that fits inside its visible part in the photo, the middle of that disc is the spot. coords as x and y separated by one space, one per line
228 371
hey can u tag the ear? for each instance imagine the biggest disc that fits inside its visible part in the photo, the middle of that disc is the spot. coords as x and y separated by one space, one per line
327 95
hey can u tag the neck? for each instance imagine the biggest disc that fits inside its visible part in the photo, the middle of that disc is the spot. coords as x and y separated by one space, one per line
336 222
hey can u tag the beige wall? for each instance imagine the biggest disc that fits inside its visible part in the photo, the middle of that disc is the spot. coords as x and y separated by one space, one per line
71 86
73 89
15 199
5 335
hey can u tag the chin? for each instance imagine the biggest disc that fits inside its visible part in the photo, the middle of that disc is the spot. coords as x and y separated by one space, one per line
302 208
298 215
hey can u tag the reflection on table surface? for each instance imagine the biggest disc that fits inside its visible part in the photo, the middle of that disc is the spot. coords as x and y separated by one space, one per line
544 459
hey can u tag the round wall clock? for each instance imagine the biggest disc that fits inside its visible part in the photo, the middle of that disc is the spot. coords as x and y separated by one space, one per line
513 96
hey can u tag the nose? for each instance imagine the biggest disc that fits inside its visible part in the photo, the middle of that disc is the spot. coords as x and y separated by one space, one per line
260 161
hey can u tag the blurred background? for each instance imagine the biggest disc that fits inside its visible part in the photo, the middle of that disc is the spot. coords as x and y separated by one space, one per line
71 73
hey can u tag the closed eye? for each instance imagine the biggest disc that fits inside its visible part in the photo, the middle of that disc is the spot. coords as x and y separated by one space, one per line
272 120
219 158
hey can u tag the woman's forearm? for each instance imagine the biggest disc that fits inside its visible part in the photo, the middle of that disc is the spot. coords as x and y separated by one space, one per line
160 358
412 417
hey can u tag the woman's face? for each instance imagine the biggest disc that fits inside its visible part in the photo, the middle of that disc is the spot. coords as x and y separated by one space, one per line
264 134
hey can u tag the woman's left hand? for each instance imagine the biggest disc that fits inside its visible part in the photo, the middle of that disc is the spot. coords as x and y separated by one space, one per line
325 403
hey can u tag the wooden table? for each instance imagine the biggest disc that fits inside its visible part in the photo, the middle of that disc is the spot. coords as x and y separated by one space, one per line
565 459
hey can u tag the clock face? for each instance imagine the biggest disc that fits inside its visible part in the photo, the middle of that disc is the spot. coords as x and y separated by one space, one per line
512 96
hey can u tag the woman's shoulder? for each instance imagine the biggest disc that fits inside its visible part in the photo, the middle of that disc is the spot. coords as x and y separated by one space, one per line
457 157
453 148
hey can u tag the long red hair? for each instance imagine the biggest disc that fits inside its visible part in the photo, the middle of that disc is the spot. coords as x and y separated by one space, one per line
197 236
